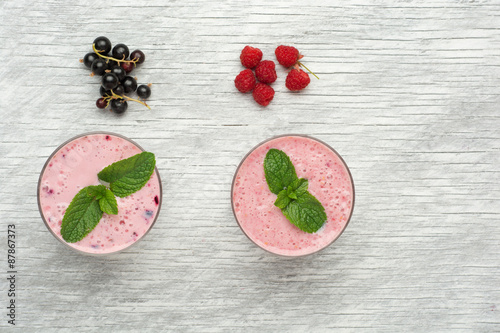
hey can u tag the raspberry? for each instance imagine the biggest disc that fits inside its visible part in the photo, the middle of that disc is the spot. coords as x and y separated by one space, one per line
287 55
297 80
265 71
263 94
245 81
250 56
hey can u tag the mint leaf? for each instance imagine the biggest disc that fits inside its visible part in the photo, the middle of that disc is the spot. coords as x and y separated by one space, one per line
306 213
106 198
108 203
292 192
283 200
81 216
124 178
297 188
129 175
96 191
279 170
302 188
299 206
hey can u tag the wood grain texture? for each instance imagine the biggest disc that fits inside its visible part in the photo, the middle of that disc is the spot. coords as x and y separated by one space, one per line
408 95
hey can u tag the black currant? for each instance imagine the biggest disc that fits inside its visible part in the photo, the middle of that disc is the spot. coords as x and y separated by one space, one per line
139 55
143 91
119 90
109 81
119 51
118 71
129 84
101 103
119 105
98 66
112 63
89 59
127 66
102 45
104 92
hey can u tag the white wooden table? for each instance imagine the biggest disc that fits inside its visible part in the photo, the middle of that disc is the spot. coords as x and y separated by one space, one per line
409 94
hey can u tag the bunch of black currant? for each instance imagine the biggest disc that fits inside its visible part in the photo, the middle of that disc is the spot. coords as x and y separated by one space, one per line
114 65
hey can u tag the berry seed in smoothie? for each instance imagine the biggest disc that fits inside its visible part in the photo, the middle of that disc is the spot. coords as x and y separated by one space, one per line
75 166
328 180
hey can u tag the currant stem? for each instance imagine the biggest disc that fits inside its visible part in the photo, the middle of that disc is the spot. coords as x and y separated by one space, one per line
301 64
115 96
134 61
136 100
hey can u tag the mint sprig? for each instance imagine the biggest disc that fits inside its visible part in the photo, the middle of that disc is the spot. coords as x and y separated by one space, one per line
307 213
129 175
81 217
106 198
87 207
279 170
299 206
292 191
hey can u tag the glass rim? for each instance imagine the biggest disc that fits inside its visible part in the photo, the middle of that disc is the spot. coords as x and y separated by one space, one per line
40 182
303 136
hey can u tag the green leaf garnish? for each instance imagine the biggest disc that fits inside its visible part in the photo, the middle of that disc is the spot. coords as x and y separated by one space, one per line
108 203
81 216
298 205
297 188
279 170
129 175
293 191
306 213
283 200
124 178
96 191
107 200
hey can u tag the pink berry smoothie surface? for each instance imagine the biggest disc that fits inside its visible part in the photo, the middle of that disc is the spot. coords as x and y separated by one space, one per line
329 181
74 166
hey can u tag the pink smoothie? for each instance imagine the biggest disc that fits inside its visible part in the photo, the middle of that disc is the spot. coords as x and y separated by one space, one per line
329 181
75 166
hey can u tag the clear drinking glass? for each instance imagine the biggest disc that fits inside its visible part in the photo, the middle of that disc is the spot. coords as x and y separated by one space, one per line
330 181
74 165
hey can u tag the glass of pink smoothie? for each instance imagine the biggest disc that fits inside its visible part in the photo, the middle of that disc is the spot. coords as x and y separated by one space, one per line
330 181
75 165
